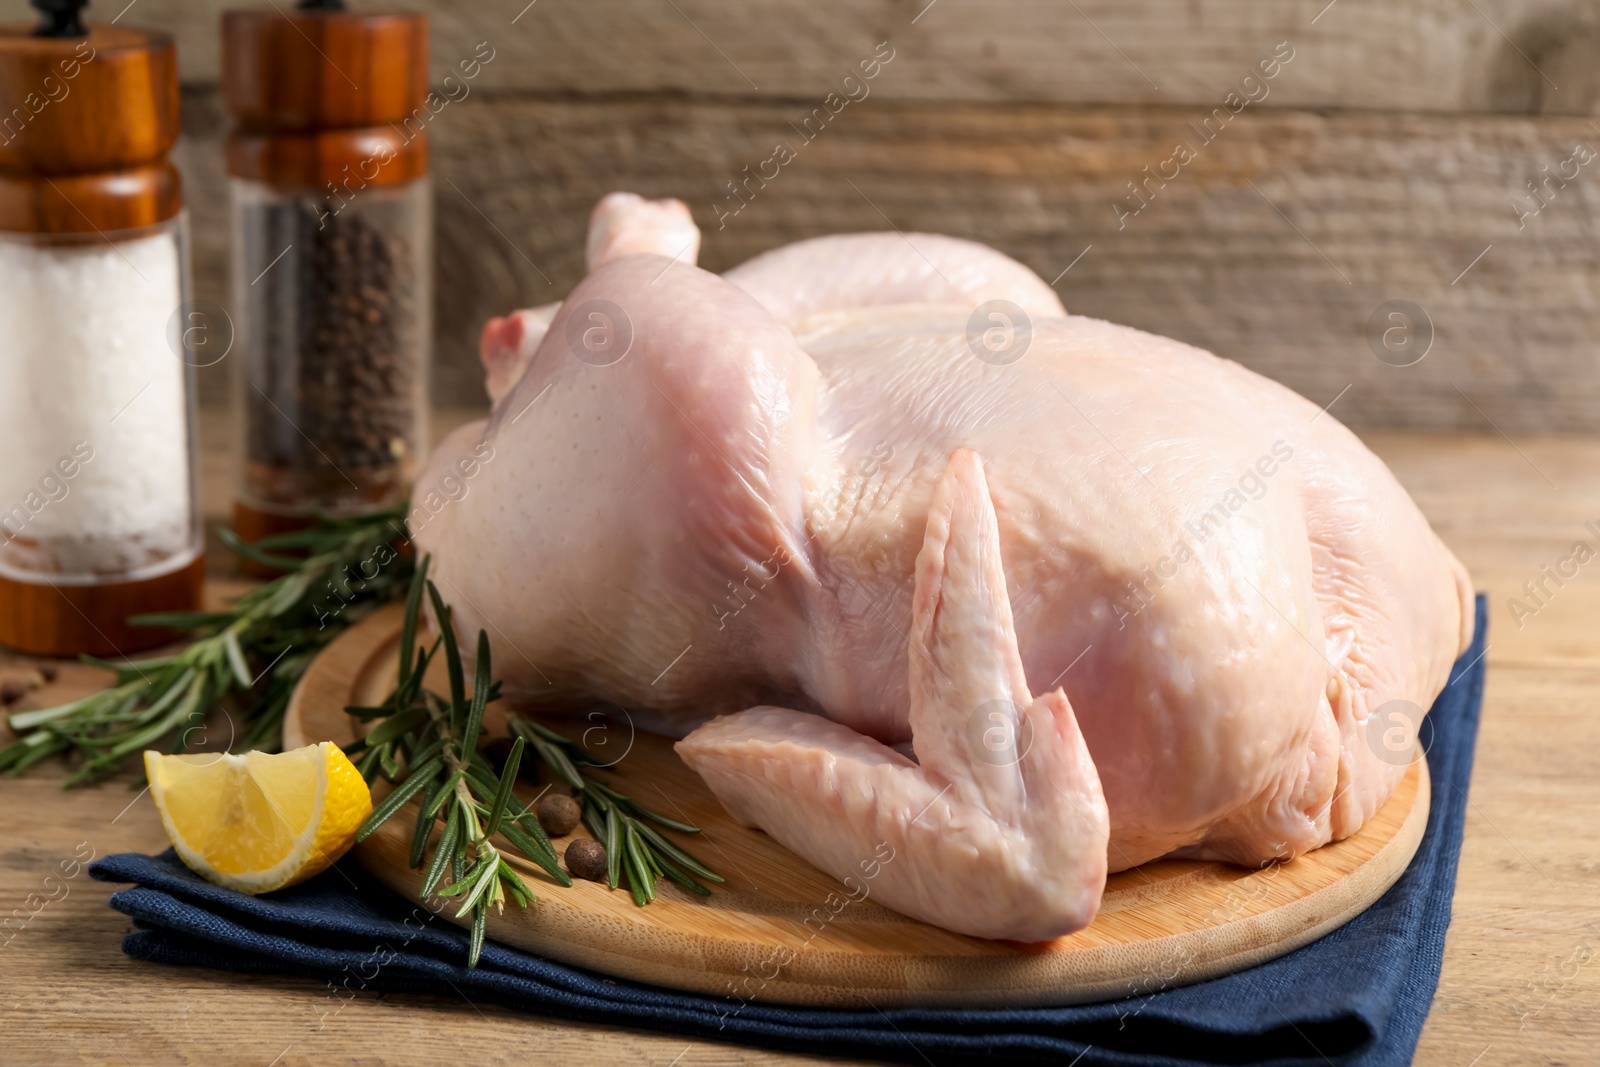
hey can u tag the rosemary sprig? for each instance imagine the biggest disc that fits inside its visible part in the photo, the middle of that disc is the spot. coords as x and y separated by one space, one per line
635 850
427 746
250 655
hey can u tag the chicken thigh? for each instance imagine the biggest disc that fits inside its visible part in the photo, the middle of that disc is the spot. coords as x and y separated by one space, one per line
919 566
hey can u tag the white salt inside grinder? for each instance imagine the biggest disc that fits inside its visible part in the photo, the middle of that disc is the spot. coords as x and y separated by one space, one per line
88 384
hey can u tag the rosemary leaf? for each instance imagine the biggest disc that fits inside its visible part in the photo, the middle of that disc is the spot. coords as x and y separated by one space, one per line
174 693
515 886
414 783
606 791
368 765
480 696
443 854
452 652
613 843
485 872
427 752
671 870
410 687
558 761
419 838
241 673
662 820
253 552
408 629
480 921
169 620
430 810
508 778
292 588
640 881
650 861
31 750
541 731
528 823
595 821
397 726
541 853
389 762
27 720
367 714
185 707
676 854
462 885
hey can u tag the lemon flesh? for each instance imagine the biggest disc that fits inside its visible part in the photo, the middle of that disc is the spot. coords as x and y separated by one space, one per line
259 821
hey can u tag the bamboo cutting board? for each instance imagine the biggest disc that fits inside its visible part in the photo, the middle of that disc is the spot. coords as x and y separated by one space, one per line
780 931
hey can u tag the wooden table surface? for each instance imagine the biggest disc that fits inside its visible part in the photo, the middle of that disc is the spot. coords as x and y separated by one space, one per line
1520 971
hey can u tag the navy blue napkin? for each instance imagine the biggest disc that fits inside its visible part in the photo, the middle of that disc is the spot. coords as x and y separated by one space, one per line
1356 998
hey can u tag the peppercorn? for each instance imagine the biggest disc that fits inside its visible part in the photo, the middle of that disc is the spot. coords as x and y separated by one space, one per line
558 814
11 691
586 858
333 373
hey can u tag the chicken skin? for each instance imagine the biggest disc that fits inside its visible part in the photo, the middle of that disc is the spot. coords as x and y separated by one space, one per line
920 566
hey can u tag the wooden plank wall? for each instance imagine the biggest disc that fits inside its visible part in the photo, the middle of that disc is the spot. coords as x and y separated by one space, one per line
1388 157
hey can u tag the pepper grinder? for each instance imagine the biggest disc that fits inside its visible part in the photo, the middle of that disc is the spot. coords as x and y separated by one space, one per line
99 515
331 258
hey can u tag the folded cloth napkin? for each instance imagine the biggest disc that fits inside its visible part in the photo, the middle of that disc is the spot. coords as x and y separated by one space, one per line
1356 997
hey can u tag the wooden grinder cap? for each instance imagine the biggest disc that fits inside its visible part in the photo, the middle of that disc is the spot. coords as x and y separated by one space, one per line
318 89
86 122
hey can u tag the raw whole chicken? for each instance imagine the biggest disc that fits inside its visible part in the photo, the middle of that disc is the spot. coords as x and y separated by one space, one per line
907 555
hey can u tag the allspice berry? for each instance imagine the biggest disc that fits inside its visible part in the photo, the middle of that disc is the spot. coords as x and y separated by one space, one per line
558 814
586 858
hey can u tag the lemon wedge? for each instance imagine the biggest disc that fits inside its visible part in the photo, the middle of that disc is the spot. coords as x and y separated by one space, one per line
259 821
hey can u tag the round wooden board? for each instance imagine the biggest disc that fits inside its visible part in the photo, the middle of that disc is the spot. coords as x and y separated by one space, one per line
780 931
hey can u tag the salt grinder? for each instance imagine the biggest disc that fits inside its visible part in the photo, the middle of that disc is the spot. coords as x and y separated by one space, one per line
99 516
331 258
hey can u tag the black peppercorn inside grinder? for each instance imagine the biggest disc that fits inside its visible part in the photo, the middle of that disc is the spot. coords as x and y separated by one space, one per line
331 258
